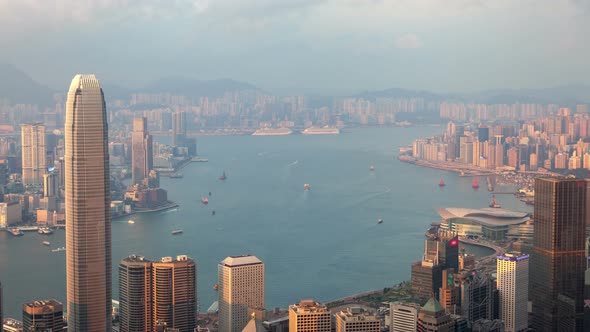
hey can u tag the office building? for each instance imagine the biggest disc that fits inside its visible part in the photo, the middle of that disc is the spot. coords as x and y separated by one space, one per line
356 319
433 318
449 295
404 316
141 151
50 184
42 316
241 291
254 325
558 260
488 325
426 278
135 294
178 128
34 158
88 211
476 295
513 287
309 316
174 292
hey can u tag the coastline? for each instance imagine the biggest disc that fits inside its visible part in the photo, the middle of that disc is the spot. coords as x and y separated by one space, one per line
167 206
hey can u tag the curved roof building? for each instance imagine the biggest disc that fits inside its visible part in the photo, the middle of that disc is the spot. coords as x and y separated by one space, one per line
493 223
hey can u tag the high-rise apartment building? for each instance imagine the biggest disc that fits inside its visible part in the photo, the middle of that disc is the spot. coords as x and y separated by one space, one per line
178 128
512 271
42 316
241 291
135 294
404 317
558 260
88 211
34 158
309 316
141 151
433 318
356 319
174 292
50 184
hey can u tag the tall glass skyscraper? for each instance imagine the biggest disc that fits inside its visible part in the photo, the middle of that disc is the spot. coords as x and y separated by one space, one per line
558 261
88 218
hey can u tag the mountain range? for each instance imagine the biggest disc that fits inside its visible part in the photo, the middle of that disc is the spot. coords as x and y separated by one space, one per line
17 87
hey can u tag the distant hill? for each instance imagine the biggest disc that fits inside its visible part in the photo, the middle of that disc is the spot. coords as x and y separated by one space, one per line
18 87
196 88
400 93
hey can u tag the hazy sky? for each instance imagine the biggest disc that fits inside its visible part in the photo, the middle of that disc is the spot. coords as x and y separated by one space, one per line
321 45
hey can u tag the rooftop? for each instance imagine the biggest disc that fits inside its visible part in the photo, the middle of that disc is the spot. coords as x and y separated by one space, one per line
240 260
309 306
491 217
43 303
433 306
356 314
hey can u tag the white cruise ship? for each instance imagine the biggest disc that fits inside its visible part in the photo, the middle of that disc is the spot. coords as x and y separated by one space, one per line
321 131
272 132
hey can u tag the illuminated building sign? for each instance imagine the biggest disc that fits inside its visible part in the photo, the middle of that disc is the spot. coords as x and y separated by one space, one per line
454 242
513 258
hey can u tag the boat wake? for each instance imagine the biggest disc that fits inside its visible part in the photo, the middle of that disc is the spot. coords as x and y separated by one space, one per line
294 163
171 210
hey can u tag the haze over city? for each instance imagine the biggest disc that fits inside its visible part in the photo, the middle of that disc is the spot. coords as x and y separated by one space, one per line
303 46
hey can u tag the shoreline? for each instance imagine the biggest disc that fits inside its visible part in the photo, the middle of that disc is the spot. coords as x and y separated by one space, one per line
169 205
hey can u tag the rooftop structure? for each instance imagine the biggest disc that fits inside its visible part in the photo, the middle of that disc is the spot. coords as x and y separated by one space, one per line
309 316
357 319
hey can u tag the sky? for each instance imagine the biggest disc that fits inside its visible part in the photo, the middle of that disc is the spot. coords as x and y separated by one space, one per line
324 46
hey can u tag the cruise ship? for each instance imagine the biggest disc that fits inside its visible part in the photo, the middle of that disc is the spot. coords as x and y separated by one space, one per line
321 131
272 132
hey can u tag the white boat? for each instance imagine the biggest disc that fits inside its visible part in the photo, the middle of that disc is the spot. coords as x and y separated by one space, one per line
58 249
177 231
46 243
131 222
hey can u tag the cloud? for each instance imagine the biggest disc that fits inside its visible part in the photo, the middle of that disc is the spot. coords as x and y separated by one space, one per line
409 40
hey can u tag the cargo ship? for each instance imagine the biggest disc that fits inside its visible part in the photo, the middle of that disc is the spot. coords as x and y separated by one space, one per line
272 132
321 131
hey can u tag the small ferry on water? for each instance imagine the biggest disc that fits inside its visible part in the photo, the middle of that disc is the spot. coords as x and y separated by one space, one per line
15 232
177 231
204 200
372 168
45 231
58 249
380 221
306 187
46 243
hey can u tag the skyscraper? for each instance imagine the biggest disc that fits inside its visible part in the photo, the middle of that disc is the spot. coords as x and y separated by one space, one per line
141 151
135 294
88 211
513 285
433 318
41 316
558 260
404 316
309 316
355 319
50 184
34 159
241 291
178 128
174 292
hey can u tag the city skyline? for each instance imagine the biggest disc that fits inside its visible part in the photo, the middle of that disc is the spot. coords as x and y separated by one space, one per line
316 45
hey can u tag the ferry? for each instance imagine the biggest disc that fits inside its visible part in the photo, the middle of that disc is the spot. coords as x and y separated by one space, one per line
380 221
493 203
372 168
205 200
441 183
475 184
15 232
177 231
176 176
223 176
45 230
58 249
306 187
46 243
131 221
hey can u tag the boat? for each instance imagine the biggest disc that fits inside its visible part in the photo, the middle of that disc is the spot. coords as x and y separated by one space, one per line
475 184
15 232
441 183
176 175
131 221
213 212
306 187
204 200
58 249
216 286
372 168
177 231
223 176
380 221
45 231
493 203
209 193
46 243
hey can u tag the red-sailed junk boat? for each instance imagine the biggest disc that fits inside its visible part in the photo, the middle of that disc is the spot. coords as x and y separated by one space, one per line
441 183
475 184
